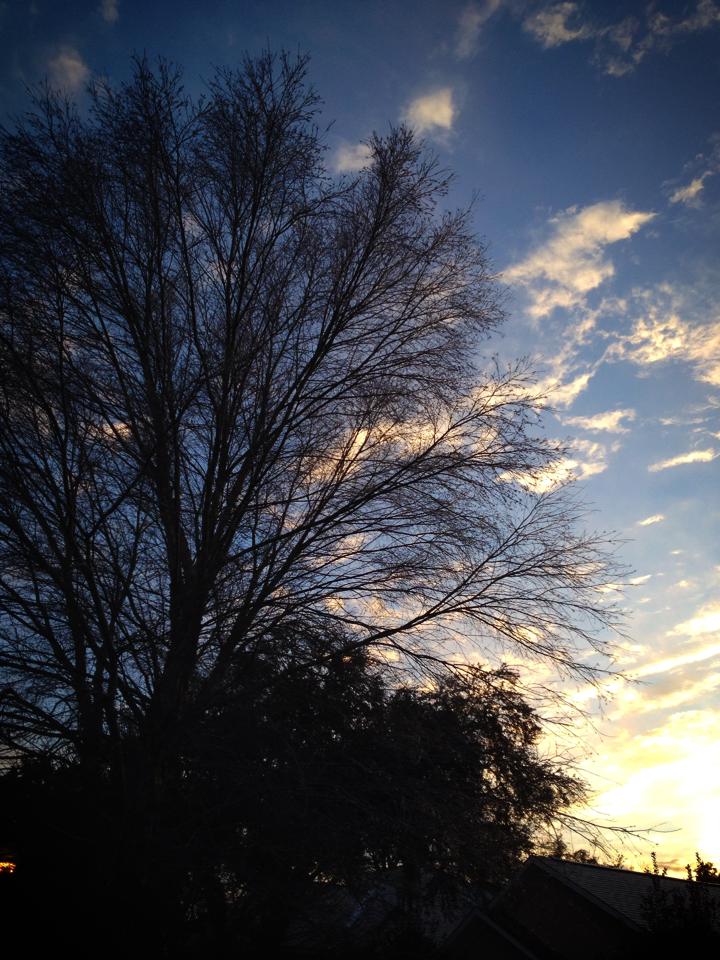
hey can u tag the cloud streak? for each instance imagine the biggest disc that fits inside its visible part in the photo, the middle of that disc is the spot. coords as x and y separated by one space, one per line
562 392
572 262
649 521
472 19
693 456
609 422
706 620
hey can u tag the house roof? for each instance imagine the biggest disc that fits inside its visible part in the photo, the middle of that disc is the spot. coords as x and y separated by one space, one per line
620 892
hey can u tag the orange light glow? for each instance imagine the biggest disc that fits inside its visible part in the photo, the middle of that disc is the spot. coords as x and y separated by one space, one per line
7 866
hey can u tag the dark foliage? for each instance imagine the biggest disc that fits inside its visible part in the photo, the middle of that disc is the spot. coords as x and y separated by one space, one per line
685 920
299 780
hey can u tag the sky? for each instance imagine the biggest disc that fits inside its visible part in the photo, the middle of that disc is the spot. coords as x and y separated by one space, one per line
589 134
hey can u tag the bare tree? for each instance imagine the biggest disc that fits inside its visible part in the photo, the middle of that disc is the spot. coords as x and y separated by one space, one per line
239 393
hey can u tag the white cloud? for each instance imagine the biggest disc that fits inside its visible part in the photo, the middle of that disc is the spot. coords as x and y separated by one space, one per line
706 620
565 374
68 70
562 393
433 111
696 172
472 19
109 11
673 664
649 521
680 421
661 335
561 472
585 459
552 27
571 263
681 687
694 456
351 156
609 422
677 664
690 195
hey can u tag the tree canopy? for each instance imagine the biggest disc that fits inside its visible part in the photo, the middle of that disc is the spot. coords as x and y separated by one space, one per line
248 441
296 781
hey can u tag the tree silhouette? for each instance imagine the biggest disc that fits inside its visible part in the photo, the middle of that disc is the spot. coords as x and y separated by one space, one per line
294 778
243 415
688 918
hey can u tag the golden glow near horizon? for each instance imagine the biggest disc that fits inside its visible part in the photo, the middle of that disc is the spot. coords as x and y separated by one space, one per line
7 866
666 781
655 761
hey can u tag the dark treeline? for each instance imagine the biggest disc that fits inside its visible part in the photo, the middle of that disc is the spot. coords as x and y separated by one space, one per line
324 775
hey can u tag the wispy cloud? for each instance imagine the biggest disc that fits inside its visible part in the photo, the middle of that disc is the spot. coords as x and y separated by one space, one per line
705 15
686 658
698 170
649 521
652 668
662 335
609 422
562 391
693 456
567 372
572 262
473 18
350 157
556 24
682 685
109 11
681 420
620 46
432 112
67 70
690 194
706 620
584 459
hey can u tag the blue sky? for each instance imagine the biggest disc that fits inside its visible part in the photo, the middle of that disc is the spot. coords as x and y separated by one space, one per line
591 134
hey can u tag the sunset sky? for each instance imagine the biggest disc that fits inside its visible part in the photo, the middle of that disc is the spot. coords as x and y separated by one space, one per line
590 135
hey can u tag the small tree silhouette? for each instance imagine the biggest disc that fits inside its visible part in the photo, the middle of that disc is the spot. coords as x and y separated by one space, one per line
687 917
